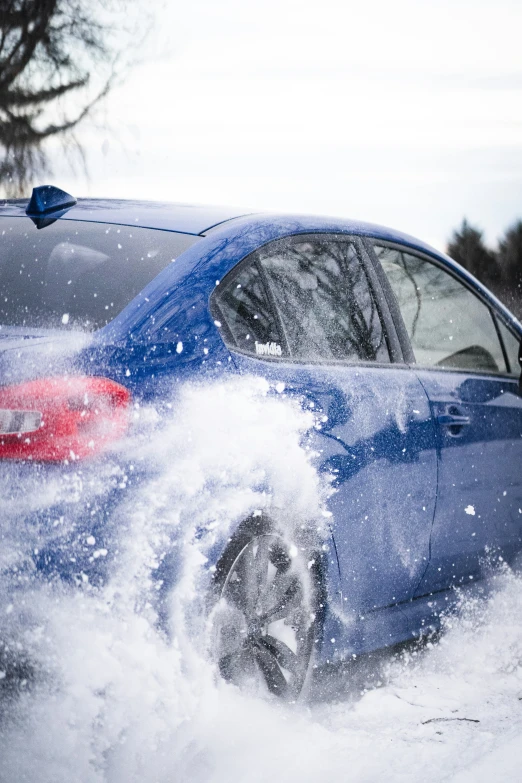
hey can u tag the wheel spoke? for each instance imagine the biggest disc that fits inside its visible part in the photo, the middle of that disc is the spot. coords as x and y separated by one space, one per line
250 581
226 664
235 589
269 667
232 634
281 652
275 591
233 664
286 599
261 562
241 588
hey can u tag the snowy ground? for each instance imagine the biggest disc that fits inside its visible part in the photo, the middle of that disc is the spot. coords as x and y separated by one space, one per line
119 703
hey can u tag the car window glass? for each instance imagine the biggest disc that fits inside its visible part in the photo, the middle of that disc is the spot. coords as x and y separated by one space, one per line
511 344
245 307
78 275
324 300
447 324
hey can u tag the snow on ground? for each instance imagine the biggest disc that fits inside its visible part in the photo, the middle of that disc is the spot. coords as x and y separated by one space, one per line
118 702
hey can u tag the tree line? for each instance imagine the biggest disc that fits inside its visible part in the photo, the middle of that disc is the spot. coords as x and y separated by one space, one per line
500 268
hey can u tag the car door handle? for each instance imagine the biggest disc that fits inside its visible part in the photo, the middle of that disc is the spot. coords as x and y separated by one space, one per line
452 420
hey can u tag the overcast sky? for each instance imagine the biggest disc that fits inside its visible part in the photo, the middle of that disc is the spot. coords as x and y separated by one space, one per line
407 113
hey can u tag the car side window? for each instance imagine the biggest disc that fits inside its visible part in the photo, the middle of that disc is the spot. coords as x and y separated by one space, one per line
244 305
448 325
324 299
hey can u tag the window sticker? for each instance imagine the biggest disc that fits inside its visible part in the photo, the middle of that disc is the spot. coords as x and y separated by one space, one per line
268 349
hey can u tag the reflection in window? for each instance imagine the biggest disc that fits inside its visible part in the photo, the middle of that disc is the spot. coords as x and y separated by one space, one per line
245 307
78 275
447 324
323 296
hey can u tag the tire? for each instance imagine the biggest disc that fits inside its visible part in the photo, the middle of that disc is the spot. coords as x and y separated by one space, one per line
268 605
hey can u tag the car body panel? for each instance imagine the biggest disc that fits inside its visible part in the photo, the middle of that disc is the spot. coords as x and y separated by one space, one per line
479 494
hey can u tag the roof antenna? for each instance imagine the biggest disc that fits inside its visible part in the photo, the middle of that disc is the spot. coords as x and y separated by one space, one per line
46 199
47 204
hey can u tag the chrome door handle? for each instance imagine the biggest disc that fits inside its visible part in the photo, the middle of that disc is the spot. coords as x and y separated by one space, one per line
452 420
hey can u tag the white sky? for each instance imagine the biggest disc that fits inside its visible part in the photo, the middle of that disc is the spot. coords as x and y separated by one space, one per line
404 113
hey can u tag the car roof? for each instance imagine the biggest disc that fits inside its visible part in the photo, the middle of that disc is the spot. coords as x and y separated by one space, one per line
198 219
184 218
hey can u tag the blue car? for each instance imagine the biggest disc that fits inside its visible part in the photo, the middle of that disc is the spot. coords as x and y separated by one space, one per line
410 366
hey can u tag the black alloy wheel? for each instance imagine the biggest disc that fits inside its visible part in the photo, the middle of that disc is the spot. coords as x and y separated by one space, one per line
267 617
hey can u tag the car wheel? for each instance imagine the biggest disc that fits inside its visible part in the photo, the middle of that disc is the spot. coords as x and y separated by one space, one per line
267 615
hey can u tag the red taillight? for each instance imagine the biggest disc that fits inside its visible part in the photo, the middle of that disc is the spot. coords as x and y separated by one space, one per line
54 419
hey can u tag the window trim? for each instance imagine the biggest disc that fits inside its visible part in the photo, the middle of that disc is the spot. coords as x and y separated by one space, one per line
393 343
395 348
401 326
501 341
499 318
391 300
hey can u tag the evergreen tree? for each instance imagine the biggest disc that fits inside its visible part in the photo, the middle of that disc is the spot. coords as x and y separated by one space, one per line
510 257
468 249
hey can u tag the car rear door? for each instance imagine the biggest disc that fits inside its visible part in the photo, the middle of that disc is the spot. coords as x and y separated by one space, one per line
467 362
307 313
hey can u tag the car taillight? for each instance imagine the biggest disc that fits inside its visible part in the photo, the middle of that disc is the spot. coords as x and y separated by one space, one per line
55 419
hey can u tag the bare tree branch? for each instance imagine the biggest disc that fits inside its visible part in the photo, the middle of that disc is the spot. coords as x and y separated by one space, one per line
51 51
